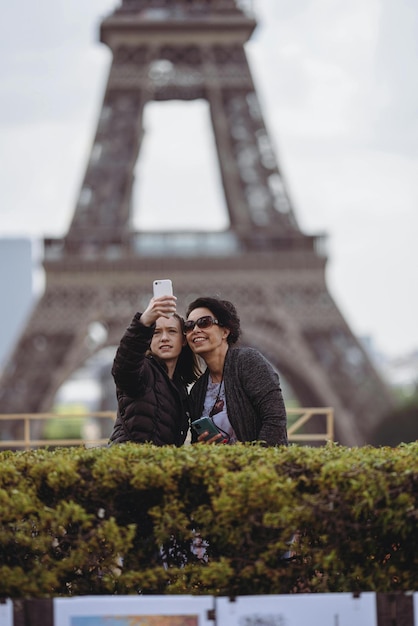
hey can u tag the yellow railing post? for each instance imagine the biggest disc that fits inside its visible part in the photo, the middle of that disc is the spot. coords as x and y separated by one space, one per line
26 431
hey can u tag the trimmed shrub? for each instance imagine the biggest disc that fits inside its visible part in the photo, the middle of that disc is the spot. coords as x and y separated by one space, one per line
208 520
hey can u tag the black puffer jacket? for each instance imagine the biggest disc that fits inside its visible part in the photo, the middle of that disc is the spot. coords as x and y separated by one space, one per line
151 407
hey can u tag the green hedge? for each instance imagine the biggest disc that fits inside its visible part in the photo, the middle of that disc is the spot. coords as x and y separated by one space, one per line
125 519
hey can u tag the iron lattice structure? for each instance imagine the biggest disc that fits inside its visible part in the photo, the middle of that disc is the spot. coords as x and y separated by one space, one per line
264 263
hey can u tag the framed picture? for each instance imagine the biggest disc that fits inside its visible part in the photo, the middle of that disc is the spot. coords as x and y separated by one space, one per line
328 609
133 611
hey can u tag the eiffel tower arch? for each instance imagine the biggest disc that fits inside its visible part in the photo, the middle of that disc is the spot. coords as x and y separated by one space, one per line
274 273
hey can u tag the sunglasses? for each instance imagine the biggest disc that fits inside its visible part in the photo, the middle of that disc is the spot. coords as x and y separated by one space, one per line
203 322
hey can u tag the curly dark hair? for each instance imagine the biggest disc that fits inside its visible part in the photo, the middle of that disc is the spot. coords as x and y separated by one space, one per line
224 311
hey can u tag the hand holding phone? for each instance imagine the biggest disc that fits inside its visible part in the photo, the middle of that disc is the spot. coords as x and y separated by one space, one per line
206 424
163 302
163 287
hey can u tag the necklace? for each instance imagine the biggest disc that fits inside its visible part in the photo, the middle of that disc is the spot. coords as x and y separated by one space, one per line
219 403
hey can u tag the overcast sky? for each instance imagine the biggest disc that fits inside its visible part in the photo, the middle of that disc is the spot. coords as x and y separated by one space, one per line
337 82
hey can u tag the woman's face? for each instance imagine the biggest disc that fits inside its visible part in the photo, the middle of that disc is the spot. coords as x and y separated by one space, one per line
206 339
168 340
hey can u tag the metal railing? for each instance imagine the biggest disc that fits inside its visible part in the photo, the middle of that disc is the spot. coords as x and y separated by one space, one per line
306 415
299 417
28 440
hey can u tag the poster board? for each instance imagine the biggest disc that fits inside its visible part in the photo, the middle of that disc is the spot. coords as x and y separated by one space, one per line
133 611
6 613
328 609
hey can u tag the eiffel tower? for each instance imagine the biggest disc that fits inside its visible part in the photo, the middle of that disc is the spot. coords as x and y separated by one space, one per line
102 271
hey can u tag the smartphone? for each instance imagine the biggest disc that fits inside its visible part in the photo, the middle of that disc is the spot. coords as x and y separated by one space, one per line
206 423
162 287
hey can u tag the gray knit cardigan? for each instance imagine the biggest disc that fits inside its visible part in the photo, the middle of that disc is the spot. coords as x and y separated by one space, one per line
253 396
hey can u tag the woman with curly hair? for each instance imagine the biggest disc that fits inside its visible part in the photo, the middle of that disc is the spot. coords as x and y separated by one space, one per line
240 390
